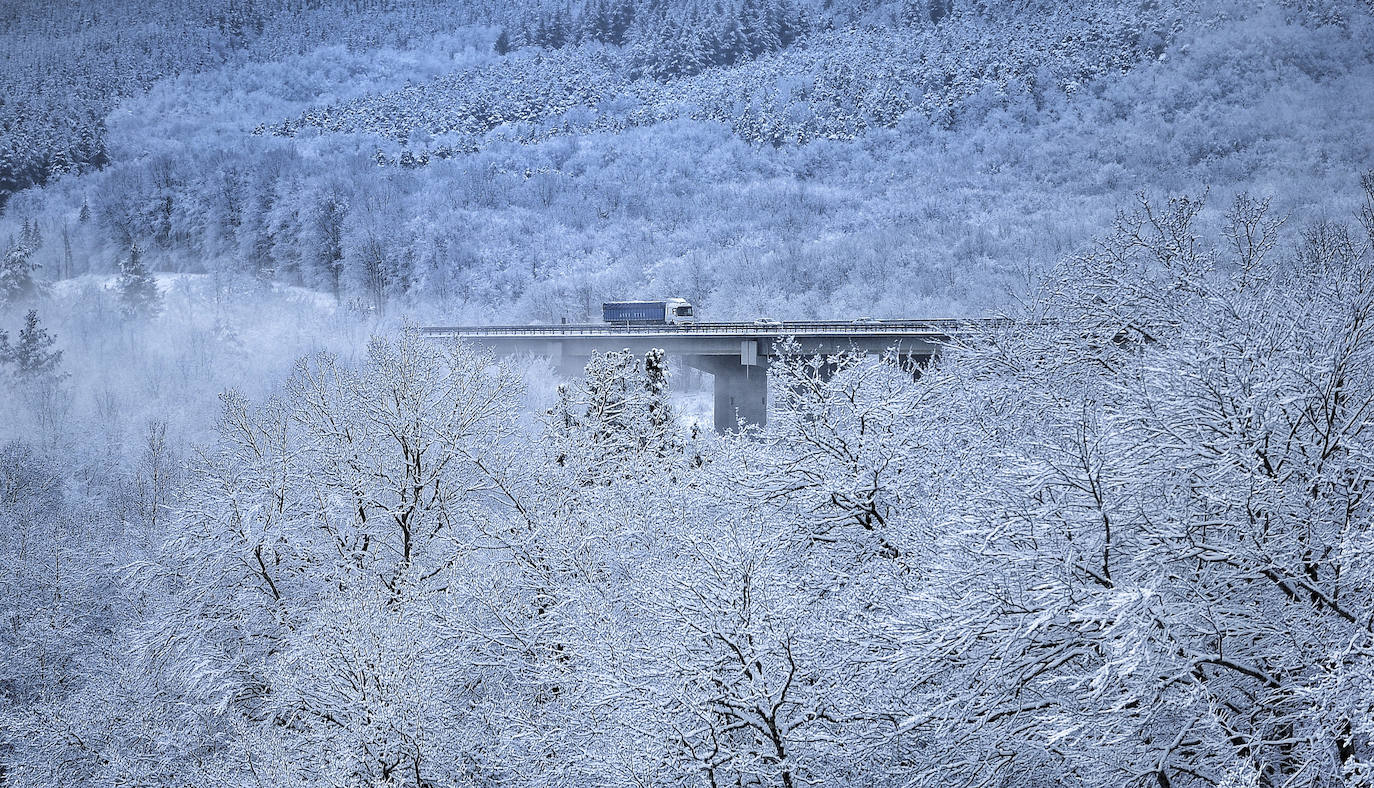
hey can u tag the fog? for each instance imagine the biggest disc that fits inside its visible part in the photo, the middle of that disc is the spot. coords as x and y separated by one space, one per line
258 529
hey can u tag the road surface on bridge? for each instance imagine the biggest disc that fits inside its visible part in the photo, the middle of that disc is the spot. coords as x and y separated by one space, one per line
933 329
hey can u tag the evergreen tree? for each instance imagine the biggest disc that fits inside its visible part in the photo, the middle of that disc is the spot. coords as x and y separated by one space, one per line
556 30
610 403
9 173
792 22
759 25
592 420
32 238
614 422
503 45
327 234
622 16
33 357
595 22
16 272
659 435
137 289
729 43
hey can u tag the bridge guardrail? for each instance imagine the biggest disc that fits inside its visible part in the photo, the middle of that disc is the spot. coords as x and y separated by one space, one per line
939 327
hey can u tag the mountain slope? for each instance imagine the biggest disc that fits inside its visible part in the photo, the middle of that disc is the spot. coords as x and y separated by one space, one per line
889 165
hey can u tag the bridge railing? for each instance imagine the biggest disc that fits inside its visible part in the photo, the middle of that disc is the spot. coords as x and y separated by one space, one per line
936 327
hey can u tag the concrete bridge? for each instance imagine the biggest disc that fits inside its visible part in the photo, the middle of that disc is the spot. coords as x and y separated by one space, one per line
736 355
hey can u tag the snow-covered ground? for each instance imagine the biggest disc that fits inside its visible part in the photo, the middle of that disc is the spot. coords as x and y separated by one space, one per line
694 408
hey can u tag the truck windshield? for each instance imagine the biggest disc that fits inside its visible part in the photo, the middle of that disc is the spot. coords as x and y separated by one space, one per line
684 311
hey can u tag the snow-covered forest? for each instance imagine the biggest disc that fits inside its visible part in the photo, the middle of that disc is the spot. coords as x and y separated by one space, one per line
257 530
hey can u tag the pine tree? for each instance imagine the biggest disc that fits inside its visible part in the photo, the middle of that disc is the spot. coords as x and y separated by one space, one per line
619 15
556 30
616 421
503 45
9 173
659 436
33 357
592 422
758 23
610 404
16 272
595 22
729 42
137 289
563 422
792 22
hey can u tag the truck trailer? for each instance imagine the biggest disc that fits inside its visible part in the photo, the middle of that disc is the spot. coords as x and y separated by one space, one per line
669 311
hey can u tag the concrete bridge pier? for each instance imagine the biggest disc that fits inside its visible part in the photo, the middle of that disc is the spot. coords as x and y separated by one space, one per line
570 366
740 383
740 386
736 355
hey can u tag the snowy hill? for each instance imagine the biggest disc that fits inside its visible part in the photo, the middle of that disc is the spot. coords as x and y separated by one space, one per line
255 530
766 158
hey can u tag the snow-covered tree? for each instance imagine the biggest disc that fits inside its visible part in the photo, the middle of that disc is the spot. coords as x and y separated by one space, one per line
1159 572
32 357
335 533
16 272
138 291
616 421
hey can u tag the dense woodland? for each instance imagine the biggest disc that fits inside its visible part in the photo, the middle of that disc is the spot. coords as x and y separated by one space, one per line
1120 538
884 160
256 531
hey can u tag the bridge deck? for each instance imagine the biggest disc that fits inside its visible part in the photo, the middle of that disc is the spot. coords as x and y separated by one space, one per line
925 329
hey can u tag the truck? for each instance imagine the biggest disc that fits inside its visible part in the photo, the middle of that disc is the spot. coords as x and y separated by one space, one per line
669 311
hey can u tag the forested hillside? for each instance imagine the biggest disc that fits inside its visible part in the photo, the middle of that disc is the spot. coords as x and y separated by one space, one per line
256 530
418 158
1122 538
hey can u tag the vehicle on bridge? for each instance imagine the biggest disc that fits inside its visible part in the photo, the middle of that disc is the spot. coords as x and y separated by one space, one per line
669 311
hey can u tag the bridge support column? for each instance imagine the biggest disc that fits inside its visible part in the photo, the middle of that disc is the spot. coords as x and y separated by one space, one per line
570 366
740 389
742 395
